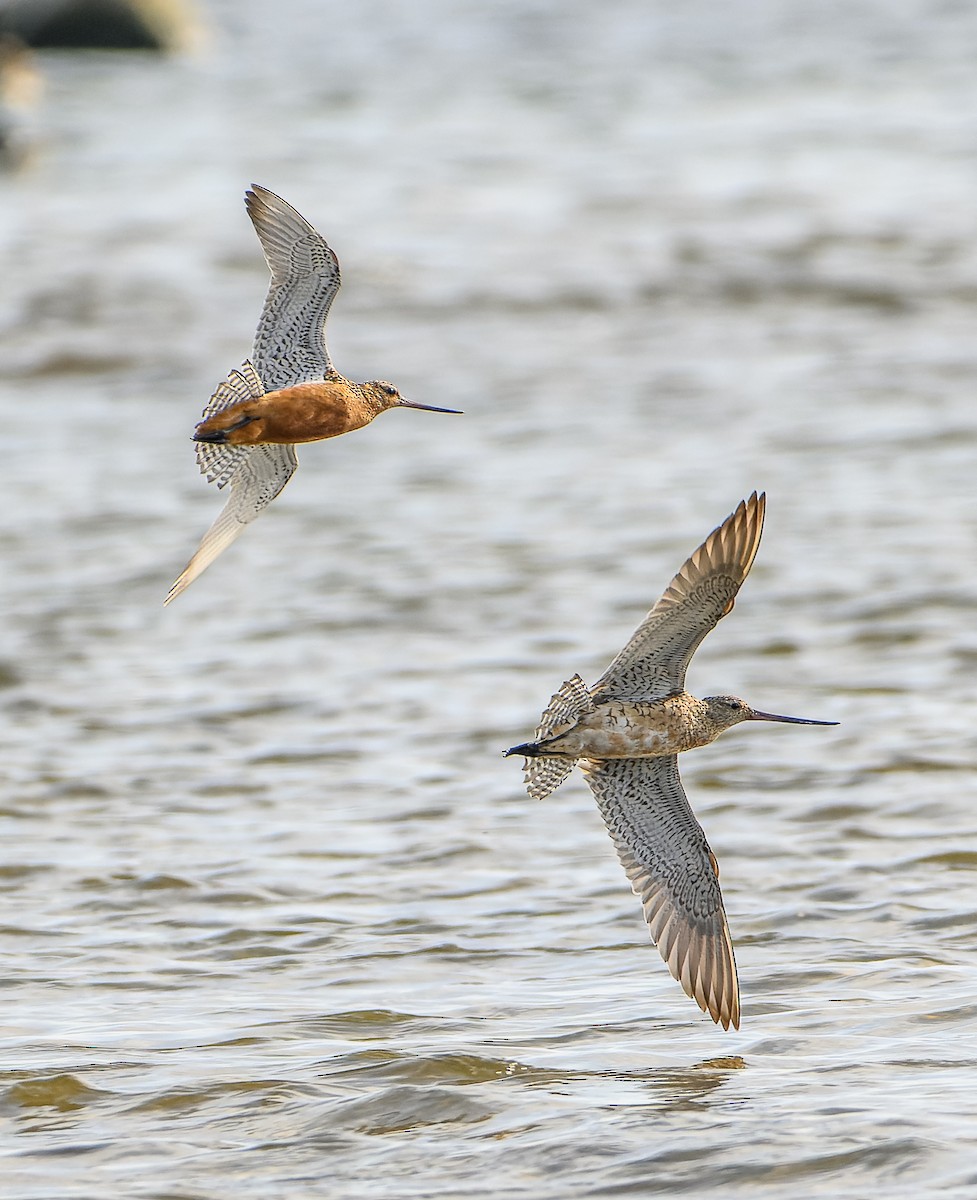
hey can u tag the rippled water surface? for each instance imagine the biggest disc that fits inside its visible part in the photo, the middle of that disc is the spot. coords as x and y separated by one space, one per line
278 919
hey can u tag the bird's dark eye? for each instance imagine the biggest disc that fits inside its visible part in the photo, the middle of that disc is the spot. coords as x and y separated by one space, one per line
391 391
735 705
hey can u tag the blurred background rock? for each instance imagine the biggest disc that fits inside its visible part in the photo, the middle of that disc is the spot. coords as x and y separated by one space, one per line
163 25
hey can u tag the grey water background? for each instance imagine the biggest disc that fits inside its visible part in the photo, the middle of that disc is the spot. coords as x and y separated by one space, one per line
278 919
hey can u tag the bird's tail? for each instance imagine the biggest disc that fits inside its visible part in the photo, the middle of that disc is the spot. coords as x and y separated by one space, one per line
545 772
216 460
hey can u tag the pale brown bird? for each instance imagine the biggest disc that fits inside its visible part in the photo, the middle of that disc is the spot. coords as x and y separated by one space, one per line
289 391
627 732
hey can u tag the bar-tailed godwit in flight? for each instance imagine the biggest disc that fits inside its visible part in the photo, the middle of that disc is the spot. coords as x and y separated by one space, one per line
289 391
627 732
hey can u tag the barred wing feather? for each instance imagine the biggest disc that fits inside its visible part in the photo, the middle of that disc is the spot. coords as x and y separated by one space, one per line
672 870
654 662
290 344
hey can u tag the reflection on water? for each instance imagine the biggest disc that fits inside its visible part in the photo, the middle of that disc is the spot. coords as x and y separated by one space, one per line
276 912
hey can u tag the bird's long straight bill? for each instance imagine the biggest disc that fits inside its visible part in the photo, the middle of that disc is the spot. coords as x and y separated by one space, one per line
762 716
402 403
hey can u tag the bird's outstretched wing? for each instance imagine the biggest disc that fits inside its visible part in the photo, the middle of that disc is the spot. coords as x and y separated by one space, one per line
654 662
667 858
257 476
290 343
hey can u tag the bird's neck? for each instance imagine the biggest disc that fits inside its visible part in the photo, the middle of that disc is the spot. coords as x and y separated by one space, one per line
698 728
368 396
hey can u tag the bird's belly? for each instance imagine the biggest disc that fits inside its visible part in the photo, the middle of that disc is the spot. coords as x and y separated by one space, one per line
621 733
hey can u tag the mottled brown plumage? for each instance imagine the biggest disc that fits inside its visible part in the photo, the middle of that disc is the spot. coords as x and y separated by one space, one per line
627 732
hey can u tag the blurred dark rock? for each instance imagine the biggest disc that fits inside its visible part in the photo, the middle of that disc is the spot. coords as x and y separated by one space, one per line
100 24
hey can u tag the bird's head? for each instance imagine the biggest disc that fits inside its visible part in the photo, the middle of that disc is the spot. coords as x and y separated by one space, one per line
385 396
726 711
